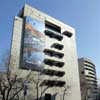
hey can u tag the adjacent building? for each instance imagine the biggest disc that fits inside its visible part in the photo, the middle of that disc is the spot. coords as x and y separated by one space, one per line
47 47
88 79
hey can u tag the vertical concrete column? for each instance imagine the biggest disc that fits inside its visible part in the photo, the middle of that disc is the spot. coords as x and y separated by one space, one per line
16 43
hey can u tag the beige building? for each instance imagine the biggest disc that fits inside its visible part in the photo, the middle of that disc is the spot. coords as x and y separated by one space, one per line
88 80
55 68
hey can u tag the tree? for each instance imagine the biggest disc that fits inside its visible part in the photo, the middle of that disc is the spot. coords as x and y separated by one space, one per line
36 79
11 85
37 84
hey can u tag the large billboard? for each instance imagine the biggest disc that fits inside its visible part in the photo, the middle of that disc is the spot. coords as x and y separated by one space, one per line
34 43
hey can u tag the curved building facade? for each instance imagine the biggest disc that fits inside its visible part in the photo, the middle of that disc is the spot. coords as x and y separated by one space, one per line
88 80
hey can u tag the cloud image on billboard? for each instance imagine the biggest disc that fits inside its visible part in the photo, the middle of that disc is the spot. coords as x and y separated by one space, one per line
34 43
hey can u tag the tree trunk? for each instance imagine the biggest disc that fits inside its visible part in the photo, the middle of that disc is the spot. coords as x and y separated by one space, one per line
3 98
37 92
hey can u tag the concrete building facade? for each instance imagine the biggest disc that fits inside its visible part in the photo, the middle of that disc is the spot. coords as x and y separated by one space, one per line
59 78
88 79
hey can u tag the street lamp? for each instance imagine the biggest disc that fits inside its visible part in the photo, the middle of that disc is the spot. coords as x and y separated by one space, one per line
26 83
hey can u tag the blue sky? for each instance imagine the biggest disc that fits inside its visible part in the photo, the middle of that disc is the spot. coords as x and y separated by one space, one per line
83 15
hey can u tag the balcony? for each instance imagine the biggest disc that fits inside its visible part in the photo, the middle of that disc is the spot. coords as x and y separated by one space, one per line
51 62
68 34
93 77
53 35
88 62
53 72
90 69
52 26
57 46
53 53
52 83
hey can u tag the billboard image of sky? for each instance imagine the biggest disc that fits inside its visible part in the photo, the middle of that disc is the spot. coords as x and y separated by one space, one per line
34 43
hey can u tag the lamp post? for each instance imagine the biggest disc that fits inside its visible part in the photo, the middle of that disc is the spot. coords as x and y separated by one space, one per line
37 85
25 88
38 81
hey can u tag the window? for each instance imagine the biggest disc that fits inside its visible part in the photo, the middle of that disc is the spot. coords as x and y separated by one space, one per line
53 53
52 27
53 63
53 72
91 73
90 63
53 35
82 72
91 76
47 96
68 34
57 46
87 64
52 83
90 69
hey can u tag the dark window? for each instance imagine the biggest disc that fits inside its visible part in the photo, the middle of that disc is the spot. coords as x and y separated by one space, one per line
91 76
92 80
59 73
47 96
91 73
53 72
57 46
53 63
68 34
90 70
89 66
82 72
53 53
52 27
52 83
53 35
90 63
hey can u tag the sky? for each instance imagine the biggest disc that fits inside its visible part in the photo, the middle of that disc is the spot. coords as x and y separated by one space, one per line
83 15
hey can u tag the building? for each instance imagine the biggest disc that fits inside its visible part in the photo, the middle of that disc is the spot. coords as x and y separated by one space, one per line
47 47
98 91
88 79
